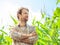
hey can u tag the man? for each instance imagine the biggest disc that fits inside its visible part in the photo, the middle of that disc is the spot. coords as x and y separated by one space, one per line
23 34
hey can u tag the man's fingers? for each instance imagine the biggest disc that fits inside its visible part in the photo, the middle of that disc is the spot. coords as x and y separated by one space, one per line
33 34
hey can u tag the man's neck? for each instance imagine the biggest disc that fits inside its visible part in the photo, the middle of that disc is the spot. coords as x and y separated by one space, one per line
22 23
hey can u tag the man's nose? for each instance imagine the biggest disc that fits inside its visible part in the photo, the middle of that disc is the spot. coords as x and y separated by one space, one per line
26 14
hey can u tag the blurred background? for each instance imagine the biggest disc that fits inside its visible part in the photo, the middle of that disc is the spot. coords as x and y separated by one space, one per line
43 14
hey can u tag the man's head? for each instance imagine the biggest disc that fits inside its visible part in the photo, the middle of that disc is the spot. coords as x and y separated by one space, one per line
22 14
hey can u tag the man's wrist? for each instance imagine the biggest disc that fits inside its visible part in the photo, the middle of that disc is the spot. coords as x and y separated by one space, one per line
29 35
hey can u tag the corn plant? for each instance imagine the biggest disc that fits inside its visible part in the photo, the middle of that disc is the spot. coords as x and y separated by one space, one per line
4 38
49 32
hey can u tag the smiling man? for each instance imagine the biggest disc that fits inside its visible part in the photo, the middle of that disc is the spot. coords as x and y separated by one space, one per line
23 34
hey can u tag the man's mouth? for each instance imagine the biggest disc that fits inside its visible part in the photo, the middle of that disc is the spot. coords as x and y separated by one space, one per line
26 18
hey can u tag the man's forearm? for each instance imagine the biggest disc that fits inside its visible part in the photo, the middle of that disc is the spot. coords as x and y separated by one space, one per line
19 36
15 33
25 36
33 36
29 40
26 41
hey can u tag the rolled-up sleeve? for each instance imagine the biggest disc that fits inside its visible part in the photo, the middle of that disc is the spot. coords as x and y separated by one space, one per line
15 35
33 38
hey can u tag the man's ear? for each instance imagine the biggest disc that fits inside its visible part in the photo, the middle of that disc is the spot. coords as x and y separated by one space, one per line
19 16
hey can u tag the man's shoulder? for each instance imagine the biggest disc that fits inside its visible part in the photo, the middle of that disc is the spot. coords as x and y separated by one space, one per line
31 26
14 27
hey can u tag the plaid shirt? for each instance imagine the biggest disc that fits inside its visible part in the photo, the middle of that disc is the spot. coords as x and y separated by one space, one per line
16 35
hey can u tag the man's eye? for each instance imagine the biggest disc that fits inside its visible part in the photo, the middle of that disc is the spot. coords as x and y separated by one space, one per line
25 13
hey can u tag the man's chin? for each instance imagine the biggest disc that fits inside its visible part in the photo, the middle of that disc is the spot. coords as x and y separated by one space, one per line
26 20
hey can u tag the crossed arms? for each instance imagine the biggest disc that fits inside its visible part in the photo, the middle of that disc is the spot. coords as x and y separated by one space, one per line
25 38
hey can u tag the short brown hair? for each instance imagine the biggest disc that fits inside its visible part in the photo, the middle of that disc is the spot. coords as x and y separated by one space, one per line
20 11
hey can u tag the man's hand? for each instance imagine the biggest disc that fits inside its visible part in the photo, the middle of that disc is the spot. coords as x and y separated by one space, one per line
26 36
27 40
33 34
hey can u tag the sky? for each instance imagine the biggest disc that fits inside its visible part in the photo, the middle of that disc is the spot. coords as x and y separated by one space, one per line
10 7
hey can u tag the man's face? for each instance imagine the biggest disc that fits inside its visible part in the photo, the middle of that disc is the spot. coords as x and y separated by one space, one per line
24 15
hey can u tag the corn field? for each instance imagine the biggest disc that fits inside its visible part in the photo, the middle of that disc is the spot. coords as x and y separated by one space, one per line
48 32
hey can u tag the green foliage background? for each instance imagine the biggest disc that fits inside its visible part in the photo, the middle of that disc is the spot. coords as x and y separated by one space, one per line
49 32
